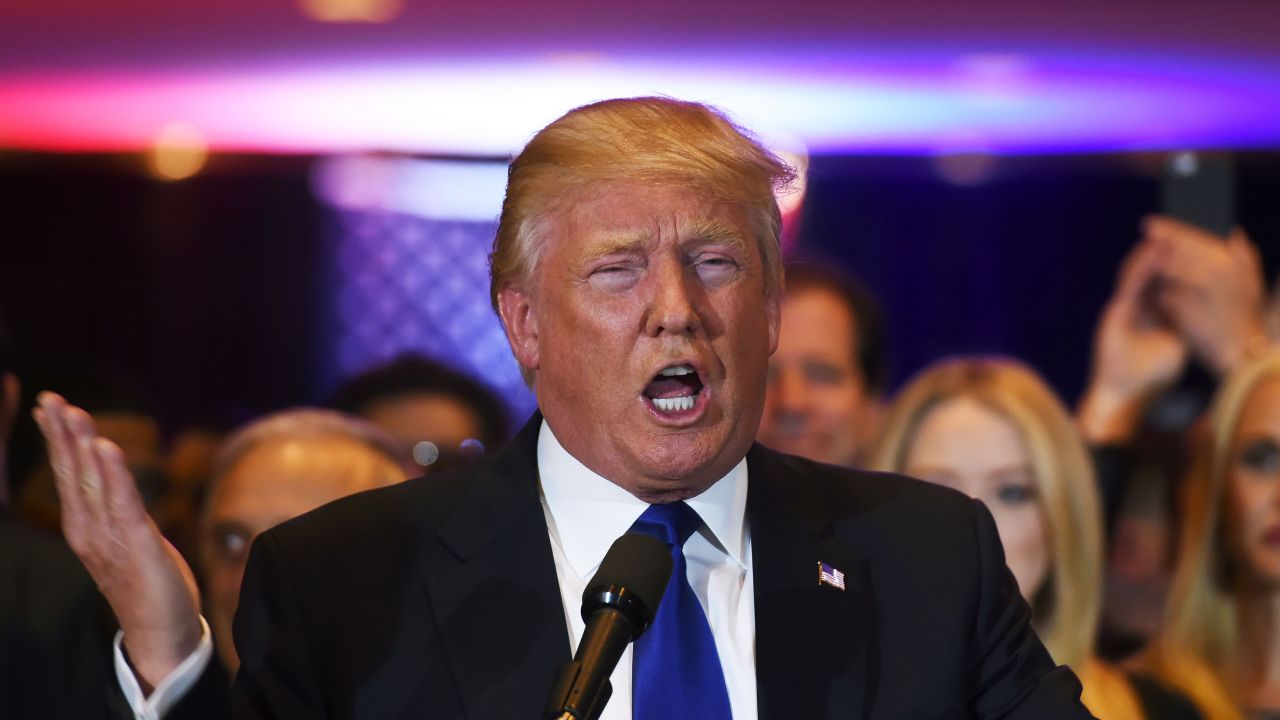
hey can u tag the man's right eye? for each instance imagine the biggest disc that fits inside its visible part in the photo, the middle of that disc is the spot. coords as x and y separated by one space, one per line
1261 456
615 277
823 373
1015 494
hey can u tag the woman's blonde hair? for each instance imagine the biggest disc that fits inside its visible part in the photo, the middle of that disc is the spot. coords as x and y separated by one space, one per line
647 140
1065 611
1198 646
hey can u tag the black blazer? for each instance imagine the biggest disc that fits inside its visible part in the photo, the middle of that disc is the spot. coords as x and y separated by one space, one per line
437 598
55 630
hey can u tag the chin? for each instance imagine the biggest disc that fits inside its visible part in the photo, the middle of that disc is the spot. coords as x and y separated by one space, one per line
684 460
1260 571
1266 574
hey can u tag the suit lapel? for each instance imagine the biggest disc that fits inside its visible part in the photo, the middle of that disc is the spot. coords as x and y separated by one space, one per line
492 589
815 644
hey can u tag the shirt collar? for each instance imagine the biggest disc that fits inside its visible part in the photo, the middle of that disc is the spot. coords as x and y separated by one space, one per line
590 512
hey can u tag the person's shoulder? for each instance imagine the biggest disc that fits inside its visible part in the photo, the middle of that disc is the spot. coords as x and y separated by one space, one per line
49 604
890 519
35 559
1161 701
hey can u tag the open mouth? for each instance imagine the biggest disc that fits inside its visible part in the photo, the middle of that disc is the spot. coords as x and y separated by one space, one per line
675 391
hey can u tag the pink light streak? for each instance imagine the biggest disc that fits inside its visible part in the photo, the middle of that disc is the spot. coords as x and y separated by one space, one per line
830 103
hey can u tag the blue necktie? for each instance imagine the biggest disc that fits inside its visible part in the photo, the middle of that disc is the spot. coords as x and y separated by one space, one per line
677 670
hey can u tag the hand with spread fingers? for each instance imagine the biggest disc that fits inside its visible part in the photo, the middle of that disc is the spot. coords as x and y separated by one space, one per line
1135 354
1211 289
149 586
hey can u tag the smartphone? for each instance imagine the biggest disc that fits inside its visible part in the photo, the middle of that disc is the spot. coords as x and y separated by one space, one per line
1199 188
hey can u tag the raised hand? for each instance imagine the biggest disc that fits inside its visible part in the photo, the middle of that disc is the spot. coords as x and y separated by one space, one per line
1135 354
1211 290
149 586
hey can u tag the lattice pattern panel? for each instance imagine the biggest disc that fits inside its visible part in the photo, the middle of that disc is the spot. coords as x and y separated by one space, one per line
409 283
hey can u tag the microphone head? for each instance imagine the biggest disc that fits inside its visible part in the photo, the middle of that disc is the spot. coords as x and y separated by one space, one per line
632 579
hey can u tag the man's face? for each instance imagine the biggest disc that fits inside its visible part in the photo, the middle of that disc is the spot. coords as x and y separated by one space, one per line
817 405
412 418
650 331
274 481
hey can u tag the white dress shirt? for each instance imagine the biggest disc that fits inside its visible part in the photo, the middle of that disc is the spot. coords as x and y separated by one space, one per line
174 686
586 513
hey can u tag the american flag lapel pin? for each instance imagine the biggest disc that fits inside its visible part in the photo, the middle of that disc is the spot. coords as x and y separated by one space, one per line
828 575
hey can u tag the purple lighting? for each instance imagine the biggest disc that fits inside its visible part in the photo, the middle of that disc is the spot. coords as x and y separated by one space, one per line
831 101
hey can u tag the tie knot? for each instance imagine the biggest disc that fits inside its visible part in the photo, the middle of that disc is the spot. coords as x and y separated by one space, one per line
672 523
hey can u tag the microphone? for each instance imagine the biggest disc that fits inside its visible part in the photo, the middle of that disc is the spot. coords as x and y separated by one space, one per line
618 605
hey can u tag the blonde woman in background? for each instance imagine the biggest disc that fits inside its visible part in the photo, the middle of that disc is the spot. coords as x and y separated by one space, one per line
992 429
1220 644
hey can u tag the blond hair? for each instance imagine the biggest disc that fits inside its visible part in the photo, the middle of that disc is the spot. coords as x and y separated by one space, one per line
1065 611
650 140
1197 650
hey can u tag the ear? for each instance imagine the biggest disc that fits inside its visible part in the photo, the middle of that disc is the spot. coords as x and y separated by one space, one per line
515 308
773 316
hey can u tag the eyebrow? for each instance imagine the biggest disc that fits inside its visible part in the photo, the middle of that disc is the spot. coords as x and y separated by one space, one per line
697 232
1025 468
709 231
1022 468
620 243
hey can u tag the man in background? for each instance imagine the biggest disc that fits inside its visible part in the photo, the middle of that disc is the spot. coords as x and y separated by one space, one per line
418 400
827 379
53 622
272 470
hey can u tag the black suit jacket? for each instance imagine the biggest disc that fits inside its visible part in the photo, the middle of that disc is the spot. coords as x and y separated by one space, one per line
55 630
437 598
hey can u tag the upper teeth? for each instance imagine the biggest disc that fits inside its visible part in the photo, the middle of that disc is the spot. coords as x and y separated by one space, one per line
677 370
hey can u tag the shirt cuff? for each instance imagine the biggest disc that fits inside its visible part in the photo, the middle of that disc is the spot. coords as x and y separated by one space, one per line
175 685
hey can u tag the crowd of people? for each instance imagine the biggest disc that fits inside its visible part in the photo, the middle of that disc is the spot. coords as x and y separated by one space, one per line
1059 476
1056 479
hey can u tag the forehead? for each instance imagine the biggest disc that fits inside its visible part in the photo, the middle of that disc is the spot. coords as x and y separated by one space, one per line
815 321
290 476
1261 413
963 431
630 212
412 417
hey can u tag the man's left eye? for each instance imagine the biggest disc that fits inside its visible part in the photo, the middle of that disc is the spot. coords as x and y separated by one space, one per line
714 266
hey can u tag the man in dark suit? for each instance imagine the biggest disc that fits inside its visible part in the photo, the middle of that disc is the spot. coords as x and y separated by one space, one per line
55 630
637 274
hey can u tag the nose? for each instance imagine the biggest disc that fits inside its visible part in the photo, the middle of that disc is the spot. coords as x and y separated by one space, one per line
790 393
672 310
